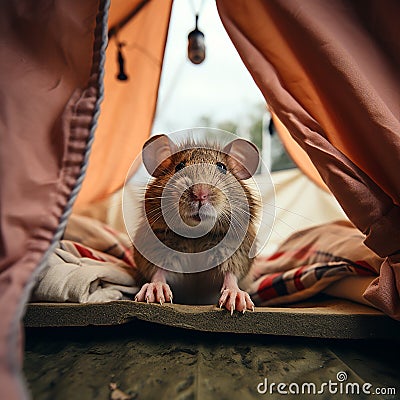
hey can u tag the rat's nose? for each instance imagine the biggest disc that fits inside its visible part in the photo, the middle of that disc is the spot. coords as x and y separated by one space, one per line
200 193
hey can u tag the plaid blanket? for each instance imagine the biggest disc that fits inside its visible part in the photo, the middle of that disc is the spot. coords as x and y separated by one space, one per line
94 263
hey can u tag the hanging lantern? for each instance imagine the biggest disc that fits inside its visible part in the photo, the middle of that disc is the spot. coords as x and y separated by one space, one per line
122 76
196 46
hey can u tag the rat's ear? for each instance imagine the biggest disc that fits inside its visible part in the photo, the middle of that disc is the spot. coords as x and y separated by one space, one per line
244 158
155 154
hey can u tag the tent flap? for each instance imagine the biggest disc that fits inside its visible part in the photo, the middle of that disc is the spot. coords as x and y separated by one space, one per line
329 71
50 87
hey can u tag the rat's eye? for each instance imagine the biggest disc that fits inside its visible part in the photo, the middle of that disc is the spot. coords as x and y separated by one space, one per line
180 166
221 167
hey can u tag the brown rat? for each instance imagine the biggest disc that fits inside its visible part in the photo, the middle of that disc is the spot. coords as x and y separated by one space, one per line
200 225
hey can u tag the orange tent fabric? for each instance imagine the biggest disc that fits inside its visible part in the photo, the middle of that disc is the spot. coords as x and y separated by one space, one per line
298 155
329 71
51 85
129 106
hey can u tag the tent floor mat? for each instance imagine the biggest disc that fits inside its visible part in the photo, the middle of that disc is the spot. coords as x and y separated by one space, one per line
153 361
325 318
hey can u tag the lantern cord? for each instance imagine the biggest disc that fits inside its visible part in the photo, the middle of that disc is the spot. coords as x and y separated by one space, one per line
197 11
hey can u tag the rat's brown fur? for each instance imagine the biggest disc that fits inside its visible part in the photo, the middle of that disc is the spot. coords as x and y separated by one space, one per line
203 161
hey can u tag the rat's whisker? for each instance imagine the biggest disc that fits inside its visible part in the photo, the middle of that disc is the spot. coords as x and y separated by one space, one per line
290 212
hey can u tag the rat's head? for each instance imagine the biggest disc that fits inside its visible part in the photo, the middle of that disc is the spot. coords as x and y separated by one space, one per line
199 182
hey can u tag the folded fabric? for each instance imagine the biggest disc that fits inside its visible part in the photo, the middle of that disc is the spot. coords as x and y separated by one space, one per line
97 235
308 262
304 265
76 273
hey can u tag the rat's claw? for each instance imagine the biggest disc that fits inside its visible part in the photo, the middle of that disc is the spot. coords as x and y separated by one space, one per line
141 295
248 302
154 292
223 298
234 299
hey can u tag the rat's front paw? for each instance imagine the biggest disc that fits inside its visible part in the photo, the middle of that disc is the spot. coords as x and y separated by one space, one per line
155 292
235 299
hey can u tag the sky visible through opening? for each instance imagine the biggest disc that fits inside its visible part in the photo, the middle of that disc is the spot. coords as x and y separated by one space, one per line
220 88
